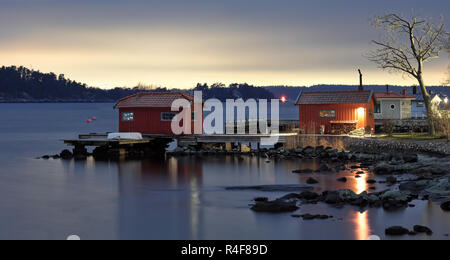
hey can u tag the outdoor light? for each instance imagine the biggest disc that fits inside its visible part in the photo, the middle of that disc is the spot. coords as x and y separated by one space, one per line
283 99
361 111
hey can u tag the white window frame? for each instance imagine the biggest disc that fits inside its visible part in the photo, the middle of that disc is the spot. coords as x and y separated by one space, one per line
127 116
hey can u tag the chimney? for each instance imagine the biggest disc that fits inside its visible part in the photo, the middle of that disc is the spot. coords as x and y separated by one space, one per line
404 92
361 87
387 89
415 90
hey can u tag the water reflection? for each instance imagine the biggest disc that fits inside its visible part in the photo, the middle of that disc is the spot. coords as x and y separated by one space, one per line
362 230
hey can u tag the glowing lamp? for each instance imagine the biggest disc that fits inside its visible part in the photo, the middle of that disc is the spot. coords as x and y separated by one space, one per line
89 121
361 111
94 118
283 99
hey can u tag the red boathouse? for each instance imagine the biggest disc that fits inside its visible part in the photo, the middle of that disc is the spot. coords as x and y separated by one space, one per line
150 112
336 112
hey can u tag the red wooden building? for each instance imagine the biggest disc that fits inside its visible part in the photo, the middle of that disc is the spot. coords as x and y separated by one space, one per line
336 112
150 113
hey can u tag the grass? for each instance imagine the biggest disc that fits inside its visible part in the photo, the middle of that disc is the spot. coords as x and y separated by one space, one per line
412 137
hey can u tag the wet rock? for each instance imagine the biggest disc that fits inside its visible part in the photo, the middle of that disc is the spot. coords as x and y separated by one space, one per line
276 206
66 155
439 188
396 231
311 217
308 150
46 157
306 171
414 186
445 206
324 168
371 181
312 181
343 179
332 198
308 195
358 176
261 199
423 229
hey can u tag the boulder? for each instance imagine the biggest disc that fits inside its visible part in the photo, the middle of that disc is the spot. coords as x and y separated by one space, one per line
343 179
423 229
410 158
371 181
276 206
306 171
308 195
446 206
312 181
308 150
396 231
261 199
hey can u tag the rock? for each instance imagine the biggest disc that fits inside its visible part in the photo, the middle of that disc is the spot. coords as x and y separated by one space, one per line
413 186
371 181
262 199
298 150
312 181
445 206
46 157
396 231
307 171
308 150
439 188
66 155
410 158
276 206
332 198
343 179
358 176
391 180
324 168
423 229
308 195
311 217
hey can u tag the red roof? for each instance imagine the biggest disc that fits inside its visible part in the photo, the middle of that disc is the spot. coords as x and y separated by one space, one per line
152 99
334 97
391 95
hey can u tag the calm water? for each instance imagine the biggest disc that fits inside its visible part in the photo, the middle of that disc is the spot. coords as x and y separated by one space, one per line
175 199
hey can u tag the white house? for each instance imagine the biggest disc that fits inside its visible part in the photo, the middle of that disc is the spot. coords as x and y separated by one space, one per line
393 105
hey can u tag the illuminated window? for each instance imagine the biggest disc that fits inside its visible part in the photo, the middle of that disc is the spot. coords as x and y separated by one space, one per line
420 104
127 116
168 116
329 113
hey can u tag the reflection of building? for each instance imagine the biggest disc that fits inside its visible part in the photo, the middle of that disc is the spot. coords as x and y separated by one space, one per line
336 111
160 199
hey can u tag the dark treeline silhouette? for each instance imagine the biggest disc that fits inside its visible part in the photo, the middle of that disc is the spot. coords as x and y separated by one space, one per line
19 84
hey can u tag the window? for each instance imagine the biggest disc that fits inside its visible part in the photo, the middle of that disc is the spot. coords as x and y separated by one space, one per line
127 116
378 108
393 107
168 116
331 113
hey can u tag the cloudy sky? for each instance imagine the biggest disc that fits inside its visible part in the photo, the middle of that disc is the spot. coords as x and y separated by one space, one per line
177 43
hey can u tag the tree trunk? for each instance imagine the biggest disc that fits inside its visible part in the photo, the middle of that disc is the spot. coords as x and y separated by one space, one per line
428 105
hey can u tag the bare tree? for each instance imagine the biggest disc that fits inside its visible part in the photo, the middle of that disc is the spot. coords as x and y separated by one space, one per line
406 46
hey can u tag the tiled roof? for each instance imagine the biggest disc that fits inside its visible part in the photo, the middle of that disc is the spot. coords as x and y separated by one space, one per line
391 95
152 99
334 97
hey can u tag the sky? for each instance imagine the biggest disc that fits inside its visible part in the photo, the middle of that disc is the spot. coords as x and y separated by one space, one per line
179 43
